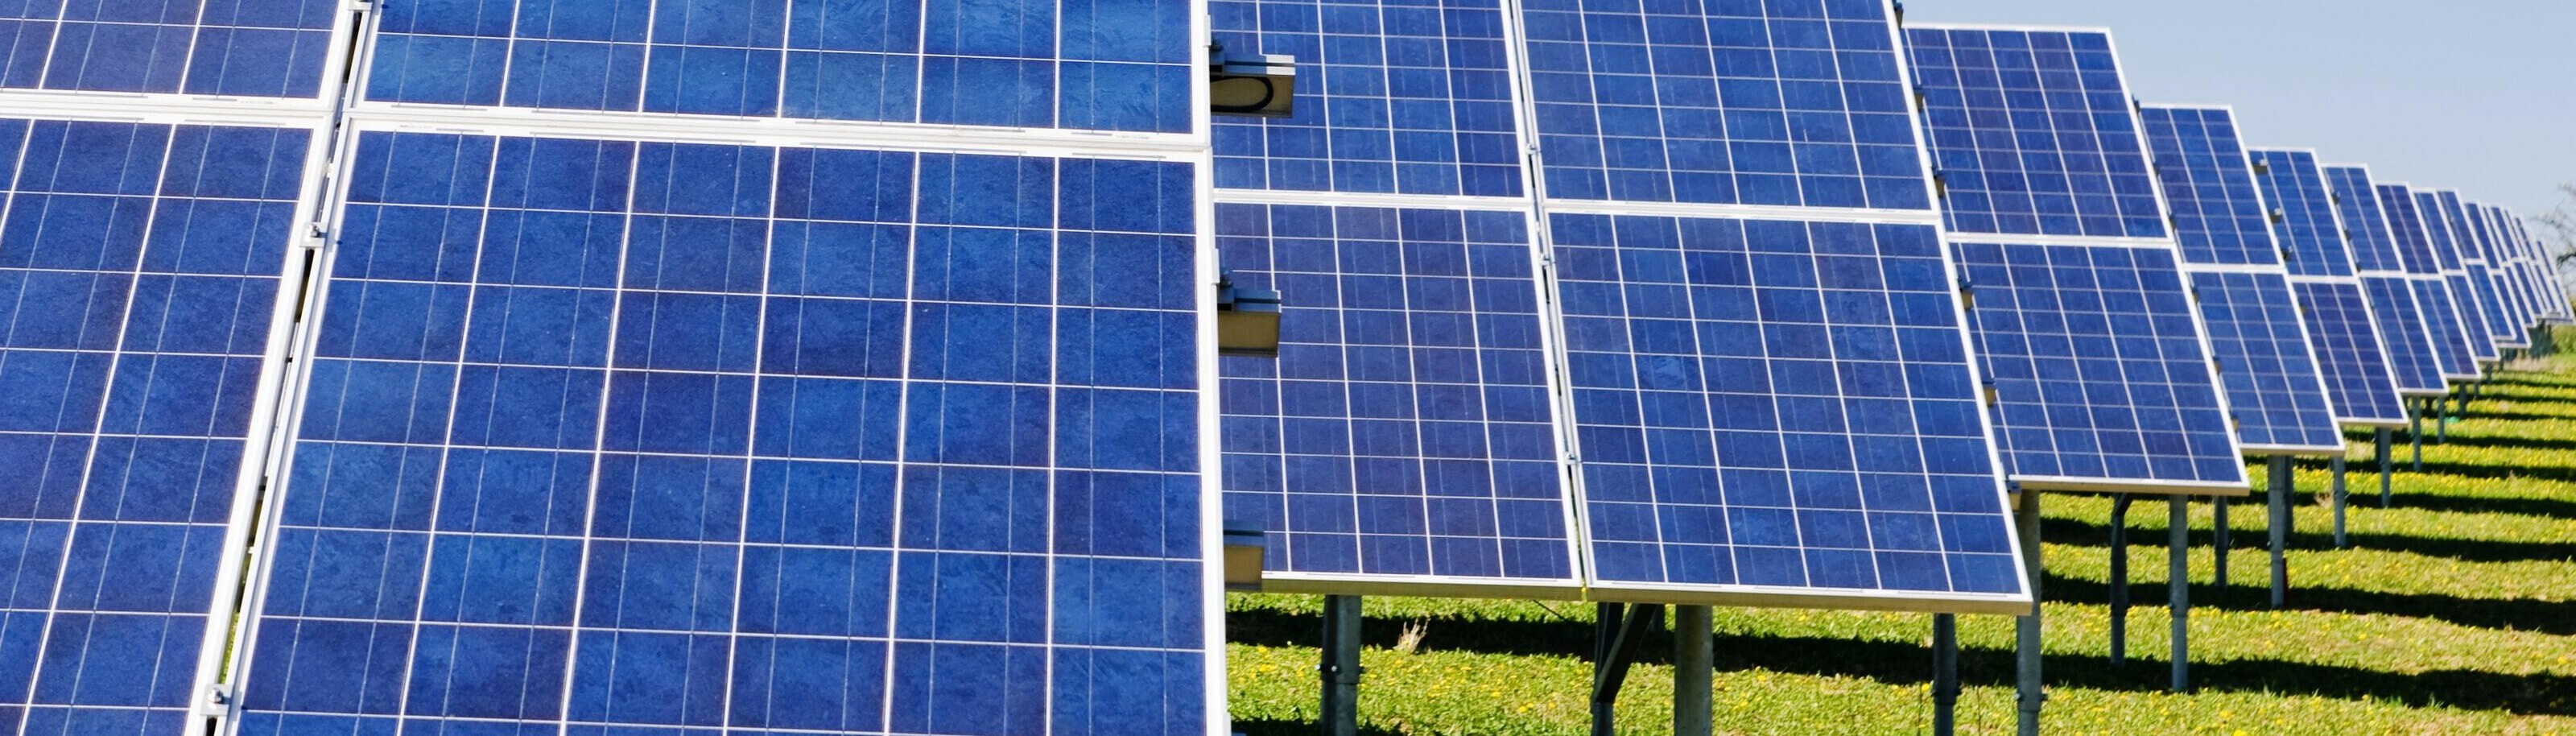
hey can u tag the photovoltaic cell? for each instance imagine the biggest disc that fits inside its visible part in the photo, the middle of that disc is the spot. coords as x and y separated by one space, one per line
2219 218
2413 357
1394 96
2031 133
2366 224
2309 229
1764 404
2358 376
2098 361
139 269
605 435
1406 431
1124 65
1799 103
249 48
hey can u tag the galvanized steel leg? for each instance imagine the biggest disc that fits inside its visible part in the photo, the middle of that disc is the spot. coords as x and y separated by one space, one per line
2339 501
2415 430
1694 669
2028 689
1340 714
2120 578
2279 490
1616 635
2219 542
2386 467
1945 674
2441 420
2178 567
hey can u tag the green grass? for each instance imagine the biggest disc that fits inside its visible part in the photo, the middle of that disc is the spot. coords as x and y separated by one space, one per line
2450 614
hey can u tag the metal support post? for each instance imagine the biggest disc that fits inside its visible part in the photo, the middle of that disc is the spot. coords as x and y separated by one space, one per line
2178 567
2441 423
2120 578
2028 689
1694 670
1616 635
2339 501
2386 467
1945 674
1341 670
2279 490
2415 430
2218 541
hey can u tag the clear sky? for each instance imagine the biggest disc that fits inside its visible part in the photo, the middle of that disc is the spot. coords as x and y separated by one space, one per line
2474 95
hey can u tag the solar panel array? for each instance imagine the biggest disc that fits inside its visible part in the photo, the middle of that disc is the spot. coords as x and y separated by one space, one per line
2414 360
2239 282
1727 365
2443 234
2341 327
2082 314
2441 312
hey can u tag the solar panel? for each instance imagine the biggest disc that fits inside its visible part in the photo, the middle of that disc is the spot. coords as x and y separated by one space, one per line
2342 331
1723 103
2366 224
2433 299
1122 65
1769 407
1989 93
2081 315
1407 432
268 48
2414 245
619 434
1402 97
2412 356
2502 266
2443 233
2218 216
139 268
2471 239
2239 283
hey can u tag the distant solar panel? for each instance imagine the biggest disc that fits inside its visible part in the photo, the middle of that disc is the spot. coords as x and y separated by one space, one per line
265 48
1770 409
1406 433
2366 224
2414 244
2218 216
2341 329
2412 356
1124 65
2031 133
2099 363
1404 97
2442 317
1799 104
2442 232
139 271
616 434
2471 238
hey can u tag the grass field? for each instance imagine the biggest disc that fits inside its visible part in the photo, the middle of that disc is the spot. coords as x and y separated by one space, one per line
2450 614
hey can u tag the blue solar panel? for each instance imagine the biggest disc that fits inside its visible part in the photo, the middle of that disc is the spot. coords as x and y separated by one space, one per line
2413 358
248 48
2478 287
619 434
2440 229
2308 228
2366 224
1406 431
1776 404
2032 133
2272 380
1798 103
2442 319
2098 361
1123 65
139 272
2406 222
1394 96
2359 379
2218 216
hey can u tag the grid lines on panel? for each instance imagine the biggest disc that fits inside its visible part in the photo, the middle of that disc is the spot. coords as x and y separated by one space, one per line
2311 233
2493 314
2440 230
1406 429
2359 379
1776 403
2217 213
2264 361
619 435
2414 244
249 48
1397 96
2097 363
1124 65
2031 133
2366 224
139 272
2413 358
1797 103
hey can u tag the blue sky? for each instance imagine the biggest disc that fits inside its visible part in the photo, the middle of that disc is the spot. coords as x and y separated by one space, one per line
2474 95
